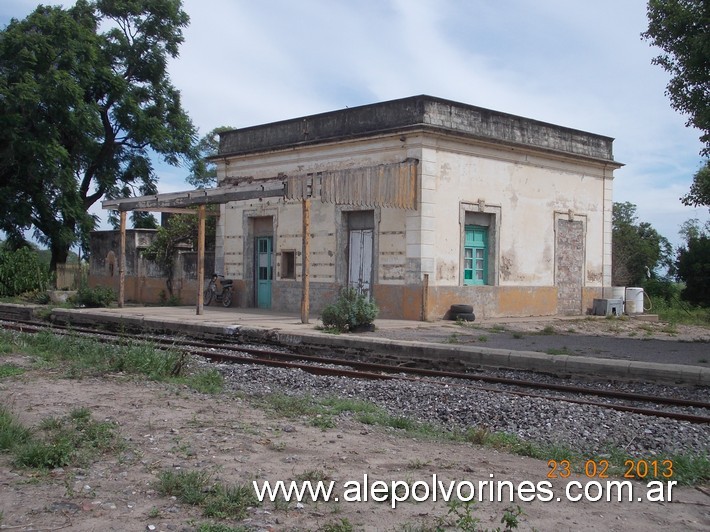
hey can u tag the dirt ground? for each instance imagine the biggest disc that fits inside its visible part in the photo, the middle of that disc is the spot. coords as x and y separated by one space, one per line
169 427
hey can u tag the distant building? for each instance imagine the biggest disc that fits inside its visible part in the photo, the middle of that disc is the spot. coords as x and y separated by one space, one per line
422 203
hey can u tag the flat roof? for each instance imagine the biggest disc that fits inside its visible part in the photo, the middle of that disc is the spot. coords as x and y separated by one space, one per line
422 112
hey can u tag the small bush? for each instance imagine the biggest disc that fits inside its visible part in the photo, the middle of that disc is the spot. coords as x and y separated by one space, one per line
351 311
99 296
21 271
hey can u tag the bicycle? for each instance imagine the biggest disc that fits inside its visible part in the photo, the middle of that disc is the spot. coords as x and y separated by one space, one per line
224 294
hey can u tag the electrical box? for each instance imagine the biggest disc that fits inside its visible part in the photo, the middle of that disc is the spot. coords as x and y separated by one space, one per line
608 307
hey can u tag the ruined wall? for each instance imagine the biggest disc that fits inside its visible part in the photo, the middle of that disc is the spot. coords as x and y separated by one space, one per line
145 282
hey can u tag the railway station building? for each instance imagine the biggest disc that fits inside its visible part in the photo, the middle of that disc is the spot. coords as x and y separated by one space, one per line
419 202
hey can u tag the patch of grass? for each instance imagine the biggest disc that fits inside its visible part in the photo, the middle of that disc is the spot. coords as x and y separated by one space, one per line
188 487
518 335
321 411
453 338
342 525
10 370
677 312
338 405
291 406
208 381
409 426
483 338
59 442
548 330
218 500
80 356
323 421
219 527
691 469
312 475
229 502
498 328
12 432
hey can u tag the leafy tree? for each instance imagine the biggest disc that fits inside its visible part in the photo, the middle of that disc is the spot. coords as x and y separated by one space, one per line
637 248
178 229
203 173
700 189
82 111
693 262
681 28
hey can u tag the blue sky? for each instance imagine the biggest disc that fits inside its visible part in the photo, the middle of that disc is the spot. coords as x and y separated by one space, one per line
574 63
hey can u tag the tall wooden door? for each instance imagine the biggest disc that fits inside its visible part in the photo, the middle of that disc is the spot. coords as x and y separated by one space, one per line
360 260
264 271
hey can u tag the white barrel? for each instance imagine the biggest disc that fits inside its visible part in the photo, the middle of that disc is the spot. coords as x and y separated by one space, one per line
634 300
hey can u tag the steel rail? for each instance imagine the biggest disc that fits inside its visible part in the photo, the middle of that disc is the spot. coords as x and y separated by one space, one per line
370 370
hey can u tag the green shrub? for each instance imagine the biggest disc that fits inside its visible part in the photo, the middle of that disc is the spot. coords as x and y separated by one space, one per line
99 296
22 271
350 311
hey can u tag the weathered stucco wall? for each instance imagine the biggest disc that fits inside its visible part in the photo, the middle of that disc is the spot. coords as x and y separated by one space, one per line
145 282
544 191
528 194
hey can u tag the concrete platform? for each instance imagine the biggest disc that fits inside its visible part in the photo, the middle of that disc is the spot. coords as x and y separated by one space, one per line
256 325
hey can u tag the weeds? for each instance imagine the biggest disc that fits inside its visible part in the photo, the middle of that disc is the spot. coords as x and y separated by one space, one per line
10 370
58 442
460 517
12 433
312 475
208 381
343 525
218 527
418 464
218 500
83 356
453 338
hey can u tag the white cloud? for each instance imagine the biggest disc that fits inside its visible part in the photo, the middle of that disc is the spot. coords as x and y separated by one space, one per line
577 64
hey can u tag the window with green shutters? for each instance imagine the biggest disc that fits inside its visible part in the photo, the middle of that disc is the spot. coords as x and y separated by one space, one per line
475 255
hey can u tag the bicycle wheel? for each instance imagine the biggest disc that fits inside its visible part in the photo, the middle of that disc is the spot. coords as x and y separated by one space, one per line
227 297
209 294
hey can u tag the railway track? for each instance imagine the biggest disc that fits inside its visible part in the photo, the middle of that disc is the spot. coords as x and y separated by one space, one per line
692 411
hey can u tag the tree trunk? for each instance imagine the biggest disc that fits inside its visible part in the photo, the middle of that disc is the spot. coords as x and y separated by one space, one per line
59 256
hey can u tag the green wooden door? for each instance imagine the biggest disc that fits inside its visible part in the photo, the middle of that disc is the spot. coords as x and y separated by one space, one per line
264 271
475 255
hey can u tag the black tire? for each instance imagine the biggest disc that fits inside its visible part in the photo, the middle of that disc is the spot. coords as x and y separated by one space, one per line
227 297
458 309
465 316
209 294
